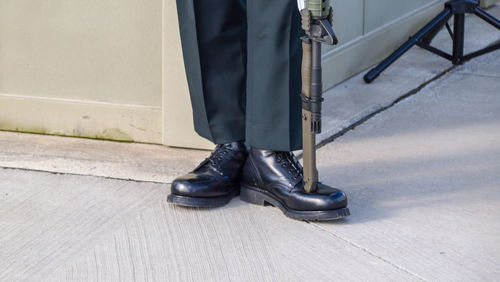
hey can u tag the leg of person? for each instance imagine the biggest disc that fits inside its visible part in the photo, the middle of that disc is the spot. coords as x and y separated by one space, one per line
272 174
273 119
213 34
214 45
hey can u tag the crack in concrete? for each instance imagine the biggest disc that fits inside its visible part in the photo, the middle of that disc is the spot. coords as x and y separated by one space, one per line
82 174
377 111
477 74
367 251
352 126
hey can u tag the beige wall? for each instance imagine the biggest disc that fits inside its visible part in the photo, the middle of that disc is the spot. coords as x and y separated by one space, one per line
113 69
108 51
88 68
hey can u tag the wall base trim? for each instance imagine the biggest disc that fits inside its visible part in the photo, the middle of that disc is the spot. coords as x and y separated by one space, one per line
76 118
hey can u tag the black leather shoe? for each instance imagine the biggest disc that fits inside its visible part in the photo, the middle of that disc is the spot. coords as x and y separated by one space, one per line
215 181
275 178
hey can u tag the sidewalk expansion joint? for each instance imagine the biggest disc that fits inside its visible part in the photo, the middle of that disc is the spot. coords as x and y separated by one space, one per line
382 109
82 174
478 74
367 251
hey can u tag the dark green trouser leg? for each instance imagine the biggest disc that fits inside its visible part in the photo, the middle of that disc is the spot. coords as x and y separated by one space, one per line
218 66
214 43
273 116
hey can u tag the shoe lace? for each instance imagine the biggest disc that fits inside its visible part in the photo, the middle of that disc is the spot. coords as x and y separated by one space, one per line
290 161
220 152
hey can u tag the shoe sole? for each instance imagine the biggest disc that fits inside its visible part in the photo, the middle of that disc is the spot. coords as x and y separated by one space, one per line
257 196
196 202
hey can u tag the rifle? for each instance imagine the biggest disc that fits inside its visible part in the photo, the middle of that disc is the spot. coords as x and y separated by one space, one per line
317 16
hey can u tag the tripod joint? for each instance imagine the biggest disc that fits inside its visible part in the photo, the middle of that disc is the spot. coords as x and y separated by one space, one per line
462 6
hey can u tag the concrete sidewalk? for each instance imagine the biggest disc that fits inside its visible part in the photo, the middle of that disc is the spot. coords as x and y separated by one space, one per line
422 176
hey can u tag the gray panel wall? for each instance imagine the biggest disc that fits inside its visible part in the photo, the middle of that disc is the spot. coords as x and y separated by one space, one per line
381 12
355 18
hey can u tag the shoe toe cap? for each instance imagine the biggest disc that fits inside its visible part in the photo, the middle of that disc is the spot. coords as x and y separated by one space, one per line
337 200
192 185
189 185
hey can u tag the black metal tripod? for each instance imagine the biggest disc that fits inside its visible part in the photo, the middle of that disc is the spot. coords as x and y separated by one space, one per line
424 37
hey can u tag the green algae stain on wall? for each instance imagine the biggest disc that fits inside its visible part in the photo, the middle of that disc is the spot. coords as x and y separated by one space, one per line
115 134
111 134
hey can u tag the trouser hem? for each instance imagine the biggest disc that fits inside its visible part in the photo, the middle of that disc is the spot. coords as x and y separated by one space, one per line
266 138
227 132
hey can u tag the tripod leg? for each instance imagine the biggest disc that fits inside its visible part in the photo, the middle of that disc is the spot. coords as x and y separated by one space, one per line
458 39
437 21
487 17
494 22
488 49
429 36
